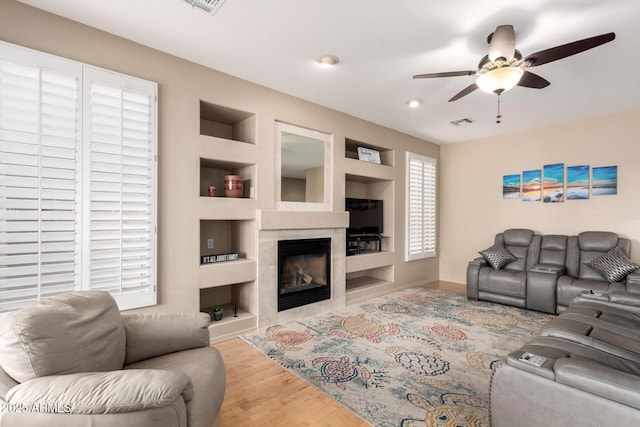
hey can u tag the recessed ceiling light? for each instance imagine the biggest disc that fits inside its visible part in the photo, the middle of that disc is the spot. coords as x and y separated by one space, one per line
414 103
327 60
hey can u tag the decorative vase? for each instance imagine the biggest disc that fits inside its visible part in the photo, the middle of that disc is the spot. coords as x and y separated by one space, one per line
212 191
217 315
233 185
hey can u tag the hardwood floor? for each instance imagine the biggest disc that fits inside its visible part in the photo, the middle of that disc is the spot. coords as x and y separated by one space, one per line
262 393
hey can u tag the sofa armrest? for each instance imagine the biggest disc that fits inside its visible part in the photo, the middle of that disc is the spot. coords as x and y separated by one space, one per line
627 298
154 334
479 262
633 282
473 270
101 392
599 379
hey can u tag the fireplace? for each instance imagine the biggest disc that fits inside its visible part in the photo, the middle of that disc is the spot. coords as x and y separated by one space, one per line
304 272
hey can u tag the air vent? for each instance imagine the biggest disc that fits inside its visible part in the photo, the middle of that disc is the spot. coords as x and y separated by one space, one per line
461 122
210 6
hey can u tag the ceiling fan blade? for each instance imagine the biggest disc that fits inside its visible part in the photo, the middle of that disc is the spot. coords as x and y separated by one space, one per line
533 81
464 92
565 50
503 43
445 74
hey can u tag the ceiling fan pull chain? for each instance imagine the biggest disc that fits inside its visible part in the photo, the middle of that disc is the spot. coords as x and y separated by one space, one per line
499 116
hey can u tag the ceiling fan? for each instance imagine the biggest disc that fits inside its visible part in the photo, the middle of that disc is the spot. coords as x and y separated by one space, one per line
503 67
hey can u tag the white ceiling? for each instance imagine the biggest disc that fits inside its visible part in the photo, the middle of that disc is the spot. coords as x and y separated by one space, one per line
382 44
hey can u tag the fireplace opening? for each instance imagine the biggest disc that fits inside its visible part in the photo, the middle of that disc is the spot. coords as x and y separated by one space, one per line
304 272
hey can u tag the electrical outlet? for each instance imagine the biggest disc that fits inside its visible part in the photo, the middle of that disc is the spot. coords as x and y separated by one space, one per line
209 243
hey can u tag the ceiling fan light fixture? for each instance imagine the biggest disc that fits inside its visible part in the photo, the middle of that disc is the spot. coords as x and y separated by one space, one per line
499 80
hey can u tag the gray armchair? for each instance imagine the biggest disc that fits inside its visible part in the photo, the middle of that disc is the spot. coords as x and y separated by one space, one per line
506 285
74 360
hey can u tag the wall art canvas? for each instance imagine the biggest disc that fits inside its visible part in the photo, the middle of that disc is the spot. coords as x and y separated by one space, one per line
553 184
511 186
604 181
578 182
531 186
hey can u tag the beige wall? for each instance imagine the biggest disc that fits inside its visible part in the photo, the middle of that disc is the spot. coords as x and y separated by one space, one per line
472 210
182 85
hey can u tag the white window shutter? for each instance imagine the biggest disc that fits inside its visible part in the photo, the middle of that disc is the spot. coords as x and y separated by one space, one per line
120 194
77 180
421 207
39 194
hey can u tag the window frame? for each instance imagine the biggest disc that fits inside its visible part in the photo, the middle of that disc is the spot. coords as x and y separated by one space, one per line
428 227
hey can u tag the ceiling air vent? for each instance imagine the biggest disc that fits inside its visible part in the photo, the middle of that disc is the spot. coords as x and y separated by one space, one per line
462 121
210 6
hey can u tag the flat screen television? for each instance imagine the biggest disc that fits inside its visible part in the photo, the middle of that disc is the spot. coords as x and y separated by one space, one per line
365 216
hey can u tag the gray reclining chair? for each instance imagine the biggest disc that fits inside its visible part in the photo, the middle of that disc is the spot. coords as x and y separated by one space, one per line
506 285
579 277
74 361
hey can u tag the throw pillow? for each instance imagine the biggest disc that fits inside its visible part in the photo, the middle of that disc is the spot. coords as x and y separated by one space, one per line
497 256
613 265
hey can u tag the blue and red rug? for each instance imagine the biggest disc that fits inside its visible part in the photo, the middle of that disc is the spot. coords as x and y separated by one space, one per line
419 357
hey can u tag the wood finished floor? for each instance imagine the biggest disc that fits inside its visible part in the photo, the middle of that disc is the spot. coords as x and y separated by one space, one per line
262 393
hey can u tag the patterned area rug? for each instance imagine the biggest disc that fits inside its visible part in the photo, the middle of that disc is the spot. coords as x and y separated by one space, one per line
419 357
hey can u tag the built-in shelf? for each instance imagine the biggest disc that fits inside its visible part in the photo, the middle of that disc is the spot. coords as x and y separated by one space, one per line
224 208
227 123
227 273
240 295
387 155
369 260
231 327
360 289
213 172
366 172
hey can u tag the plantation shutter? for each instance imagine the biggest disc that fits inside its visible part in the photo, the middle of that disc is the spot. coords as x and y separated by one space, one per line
120 187
421 207
77 181
39 194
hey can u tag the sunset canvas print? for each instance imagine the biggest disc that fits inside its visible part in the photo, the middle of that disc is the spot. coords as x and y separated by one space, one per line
531 188
511 186
577 182
605 181
553 184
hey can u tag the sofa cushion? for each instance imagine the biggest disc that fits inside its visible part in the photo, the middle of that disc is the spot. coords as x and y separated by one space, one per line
497 256
69 333
613 265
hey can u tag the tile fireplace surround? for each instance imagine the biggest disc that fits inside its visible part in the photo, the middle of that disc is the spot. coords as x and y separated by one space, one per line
281 225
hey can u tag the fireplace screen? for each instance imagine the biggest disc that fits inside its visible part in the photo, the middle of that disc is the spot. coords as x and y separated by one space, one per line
304 272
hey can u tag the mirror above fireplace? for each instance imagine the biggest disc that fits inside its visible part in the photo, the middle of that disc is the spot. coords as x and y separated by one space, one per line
302 168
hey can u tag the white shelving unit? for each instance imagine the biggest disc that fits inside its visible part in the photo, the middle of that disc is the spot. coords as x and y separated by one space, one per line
371 274
227 146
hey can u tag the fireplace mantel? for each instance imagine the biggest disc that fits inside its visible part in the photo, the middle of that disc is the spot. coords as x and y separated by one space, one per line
301 220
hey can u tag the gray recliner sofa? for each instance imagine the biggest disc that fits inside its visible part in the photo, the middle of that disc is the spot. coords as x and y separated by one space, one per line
583 369
75 361
554 271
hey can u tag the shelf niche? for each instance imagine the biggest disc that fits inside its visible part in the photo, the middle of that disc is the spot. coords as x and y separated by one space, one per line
212 172
240 295
387 157
229 236
227 123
